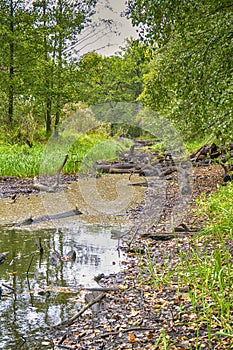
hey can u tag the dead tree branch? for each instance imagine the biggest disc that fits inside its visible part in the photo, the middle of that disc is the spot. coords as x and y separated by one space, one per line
80 312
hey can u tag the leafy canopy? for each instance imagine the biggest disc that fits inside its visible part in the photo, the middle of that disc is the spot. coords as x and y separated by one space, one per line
190 79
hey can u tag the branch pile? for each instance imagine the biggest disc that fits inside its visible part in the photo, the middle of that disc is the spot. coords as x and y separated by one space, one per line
221 155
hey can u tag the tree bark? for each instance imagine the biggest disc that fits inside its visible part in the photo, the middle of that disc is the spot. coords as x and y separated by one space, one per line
11 67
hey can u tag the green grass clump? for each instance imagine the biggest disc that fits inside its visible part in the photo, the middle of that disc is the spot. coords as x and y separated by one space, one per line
83 151
218 210
204 268
21 161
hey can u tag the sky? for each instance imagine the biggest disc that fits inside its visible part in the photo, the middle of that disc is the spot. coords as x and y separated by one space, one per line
107 42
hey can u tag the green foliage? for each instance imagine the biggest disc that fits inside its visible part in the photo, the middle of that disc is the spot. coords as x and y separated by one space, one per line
112 79
36 39
25 161
190 79
21 161
219 211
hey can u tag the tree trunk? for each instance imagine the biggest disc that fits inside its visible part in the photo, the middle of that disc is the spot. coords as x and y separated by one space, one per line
48 114
11 67
59 85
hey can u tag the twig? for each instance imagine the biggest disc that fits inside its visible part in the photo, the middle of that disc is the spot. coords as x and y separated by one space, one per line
62 339
30 262
80 312
6 286
60 169
133 236
40 245
131 329
45 188
99 289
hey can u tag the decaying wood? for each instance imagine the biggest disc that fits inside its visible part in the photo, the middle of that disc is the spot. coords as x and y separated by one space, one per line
117 168
46 188
165 236
180 231
102 289
45 218
220 155
80 312
227 168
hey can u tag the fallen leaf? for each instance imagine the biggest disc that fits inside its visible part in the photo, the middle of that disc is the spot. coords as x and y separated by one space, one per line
133 313
132 338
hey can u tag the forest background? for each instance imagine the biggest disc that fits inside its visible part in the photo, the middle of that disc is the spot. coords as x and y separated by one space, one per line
180 67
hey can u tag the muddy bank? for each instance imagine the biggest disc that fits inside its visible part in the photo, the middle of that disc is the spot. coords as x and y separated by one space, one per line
110 199
131 314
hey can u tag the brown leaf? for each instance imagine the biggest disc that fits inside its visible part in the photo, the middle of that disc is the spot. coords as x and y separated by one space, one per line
132 338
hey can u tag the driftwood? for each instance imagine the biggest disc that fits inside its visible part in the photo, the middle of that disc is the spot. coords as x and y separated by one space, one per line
180 231
211 152
45 218
102 289
165 236
47 188
220 155
145 163
117 167
80 312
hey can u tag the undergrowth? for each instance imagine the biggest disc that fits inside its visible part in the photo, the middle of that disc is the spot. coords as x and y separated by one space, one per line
83 152
23 161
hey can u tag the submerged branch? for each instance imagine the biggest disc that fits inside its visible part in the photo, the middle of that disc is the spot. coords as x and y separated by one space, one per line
80 312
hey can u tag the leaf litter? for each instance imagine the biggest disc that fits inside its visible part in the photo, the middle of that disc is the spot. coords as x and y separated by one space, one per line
143 307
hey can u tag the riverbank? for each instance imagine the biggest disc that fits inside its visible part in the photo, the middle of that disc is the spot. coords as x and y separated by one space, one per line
173 294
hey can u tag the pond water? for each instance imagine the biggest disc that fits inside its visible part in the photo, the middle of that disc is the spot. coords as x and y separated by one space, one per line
50 292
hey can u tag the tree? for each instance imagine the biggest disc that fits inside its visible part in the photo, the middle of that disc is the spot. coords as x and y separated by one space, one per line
58 25
112 79
34 57
15 22
190 79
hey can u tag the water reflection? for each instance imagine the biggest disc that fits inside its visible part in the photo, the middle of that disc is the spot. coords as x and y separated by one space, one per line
43 296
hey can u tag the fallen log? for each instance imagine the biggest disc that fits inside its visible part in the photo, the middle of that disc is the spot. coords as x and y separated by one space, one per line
165 236
45 218
117 167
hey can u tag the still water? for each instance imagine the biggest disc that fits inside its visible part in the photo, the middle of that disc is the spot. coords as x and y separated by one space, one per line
49 292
